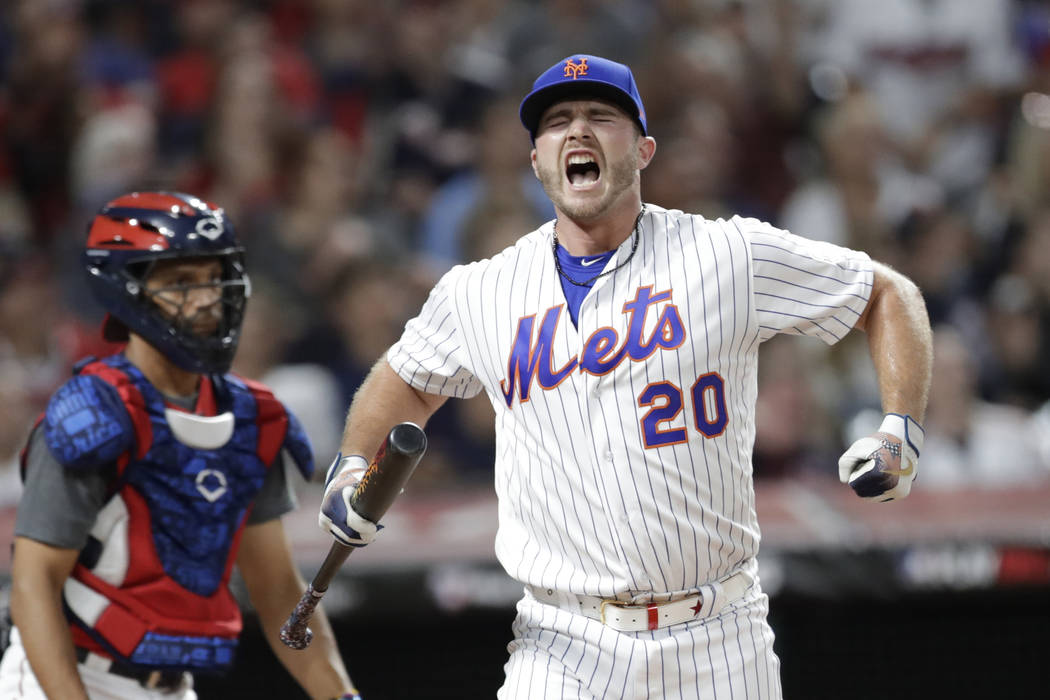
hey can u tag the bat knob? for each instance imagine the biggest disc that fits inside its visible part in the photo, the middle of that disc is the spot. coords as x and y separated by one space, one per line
296 638
408 438
294 633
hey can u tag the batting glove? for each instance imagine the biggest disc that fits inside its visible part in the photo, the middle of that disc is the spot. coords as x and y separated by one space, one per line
337 516
882 466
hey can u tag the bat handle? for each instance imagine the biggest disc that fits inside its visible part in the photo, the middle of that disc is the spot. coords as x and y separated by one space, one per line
294 633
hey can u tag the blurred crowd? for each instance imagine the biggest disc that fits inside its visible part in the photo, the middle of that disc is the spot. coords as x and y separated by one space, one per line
362 148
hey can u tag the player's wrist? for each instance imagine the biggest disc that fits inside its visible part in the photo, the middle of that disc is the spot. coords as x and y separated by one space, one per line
356 465
906 429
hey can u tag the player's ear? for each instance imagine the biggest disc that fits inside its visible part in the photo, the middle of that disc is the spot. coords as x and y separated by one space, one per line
532 161
646 150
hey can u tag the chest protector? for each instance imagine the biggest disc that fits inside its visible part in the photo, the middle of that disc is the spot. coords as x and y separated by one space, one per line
151 586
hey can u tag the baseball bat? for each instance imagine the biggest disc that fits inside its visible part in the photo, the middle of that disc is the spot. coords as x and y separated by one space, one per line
393 465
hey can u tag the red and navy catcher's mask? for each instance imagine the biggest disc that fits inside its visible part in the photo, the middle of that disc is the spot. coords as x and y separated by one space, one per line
129 236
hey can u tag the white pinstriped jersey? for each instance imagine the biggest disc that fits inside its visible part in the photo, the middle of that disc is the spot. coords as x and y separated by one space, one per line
623 465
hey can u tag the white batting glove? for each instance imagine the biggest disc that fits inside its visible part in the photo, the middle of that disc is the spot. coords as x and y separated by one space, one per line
337 516
882 466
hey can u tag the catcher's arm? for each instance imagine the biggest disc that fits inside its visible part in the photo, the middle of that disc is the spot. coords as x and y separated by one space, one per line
273 583
382 400
882 466
38 573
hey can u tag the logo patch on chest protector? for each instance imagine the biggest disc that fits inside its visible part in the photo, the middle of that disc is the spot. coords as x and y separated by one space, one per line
211 483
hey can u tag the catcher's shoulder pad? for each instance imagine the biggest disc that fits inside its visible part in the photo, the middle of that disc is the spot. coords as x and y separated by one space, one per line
298 445
278 427
86 423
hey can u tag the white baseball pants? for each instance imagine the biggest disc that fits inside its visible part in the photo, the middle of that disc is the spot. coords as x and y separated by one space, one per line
17 681
561 655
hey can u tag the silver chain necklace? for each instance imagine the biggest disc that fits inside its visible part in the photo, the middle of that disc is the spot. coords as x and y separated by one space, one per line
587 283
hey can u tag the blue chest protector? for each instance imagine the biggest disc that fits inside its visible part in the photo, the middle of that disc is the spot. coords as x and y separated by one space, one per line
196 498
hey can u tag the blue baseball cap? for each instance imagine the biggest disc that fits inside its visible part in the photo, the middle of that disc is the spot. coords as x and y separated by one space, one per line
582 75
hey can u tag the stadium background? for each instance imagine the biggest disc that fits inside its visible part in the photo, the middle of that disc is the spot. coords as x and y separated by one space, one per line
362 148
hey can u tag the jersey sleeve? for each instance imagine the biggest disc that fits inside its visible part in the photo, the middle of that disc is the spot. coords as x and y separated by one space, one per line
806 287
297 445
430 356
58 505
277 495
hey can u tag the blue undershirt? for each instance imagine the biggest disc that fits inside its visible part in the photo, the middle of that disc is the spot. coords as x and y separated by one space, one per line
573 266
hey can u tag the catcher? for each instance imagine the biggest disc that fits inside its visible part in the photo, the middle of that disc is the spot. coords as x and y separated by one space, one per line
150 474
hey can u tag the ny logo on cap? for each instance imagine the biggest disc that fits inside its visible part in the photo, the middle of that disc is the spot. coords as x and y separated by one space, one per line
575 70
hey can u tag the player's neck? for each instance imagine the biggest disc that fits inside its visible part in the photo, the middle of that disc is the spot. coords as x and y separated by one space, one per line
168 378
593 237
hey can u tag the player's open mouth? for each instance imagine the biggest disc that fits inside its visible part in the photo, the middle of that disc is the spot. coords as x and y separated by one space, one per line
581 170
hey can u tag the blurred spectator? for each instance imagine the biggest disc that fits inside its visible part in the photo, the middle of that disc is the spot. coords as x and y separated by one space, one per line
863 195
544 32
344 40
938 70
500 178
938 254
271 325
1033 256
698 160
114 151
793 432
1018 311
38 343
432 106
1028 140
363 314
741 57
187 76
320 226
1015 370
970 442
266 97
15 229
116 63
41 90
496 224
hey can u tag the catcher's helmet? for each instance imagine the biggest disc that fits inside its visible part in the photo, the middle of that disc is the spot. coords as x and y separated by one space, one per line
128 236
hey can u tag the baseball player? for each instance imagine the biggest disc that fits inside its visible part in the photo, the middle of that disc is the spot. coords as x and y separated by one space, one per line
618 345
150 474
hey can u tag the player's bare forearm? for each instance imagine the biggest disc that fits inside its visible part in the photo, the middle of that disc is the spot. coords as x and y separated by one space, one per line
274 586
384 400
38 573
900 341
